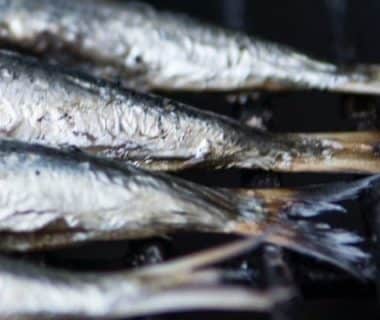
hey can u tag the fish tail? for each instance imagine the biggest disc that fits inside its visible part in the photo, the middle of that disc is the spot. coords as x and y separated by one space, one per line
337 247
307 201
361 79
350 152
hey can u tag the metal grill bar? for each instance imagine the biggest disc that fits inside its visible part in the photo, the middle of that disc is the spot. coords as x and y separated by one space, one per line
278 274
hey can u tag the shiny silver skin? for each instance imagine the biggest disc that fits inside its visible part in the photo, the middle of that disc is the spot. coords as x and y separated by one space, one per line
36 292
144 48
52 198
43 104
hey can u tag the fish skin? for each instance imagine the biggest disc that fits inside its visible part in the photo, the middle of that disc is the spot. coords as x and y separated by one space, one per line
43 104
71 198
178 285
148 49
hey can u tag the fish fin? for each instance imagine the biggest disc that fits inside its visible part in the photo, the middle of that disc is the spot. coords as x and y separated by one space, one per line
308 201
350 152
335 246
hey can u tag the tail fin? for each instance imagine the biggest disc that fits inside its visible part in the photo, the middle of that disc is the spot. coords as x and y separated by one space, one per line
308 201
333 246
350 152
363 79
337 247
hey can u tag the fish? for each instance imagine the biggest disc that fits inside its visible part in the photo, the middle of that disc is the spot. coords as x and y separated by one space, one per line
141 47
53 198
310 201
41 103
183 284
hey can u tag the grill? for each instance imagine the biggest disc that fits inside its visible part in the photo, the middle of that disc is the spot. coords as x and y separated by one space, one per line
338 30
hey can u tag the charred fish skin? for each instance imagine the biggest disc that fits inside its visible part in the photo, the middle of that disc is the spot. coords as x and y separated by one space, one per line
41 104
82 198
160 50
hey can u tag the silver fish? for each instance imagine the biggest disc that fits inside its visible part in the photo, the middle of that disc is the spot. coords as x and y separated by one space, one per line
177 285
159 50
42 104
71 198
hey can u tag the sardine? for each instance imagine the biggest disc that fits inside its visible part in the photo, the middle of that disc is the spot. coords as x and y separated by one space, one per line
43 104
176 285
145 48
52 198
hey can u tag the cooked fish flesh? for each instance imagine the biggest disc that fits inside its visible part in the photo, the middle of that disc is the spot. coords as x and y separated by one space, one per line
52 198
173 286
42 104
142 47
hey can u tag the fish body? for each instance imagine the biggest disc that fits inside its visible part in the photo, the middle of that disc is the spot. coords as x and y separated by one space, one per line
145 48
43 104
58 108
69 198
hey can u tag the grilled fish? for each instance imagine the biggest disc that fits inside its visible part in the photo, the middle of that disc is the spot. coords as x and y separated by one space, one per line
53 198
173 286
43 104
141 47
